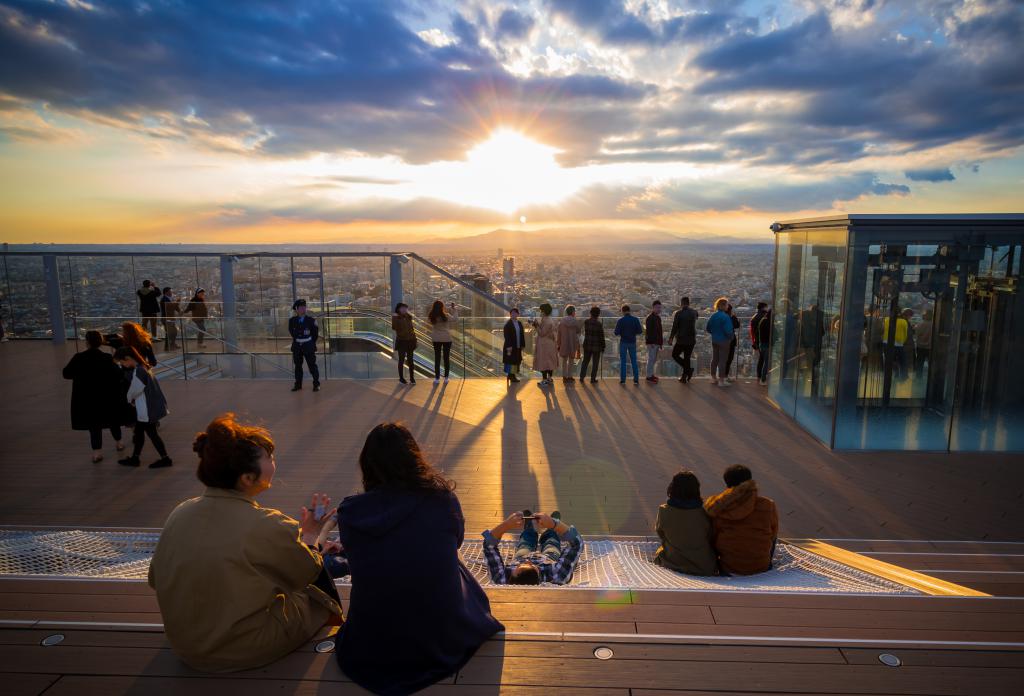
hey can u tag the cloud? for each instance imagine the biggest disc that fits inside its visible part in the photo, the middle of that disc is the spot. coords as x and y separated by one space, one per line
929 174
513 24
308 77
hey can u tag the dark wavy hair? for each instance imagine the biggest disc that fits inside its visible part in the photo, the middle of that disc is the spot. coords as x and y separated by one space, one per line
391 458
684 486
227 449
437 312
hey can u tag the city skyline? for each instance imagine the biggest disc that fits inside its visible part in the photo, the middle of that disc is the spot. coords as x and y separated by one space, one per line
405 122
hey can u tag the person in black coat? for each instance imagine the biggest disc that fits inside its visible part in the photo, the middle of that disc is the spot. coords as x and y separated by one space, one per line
304 332
97 394
512 350
416 615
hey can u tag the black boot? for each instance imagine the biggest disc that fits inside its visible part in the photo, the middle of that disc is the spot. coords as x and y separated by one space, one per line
161 463
297 386
129 461
514 376
316 386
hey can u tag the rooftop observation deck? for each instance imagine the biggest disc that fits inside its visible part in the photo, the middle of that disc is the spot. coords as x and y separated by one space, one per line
602 454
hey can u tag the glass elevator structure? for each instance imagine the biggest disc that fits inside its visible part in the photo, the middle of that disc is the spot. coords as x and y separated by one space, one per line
901 332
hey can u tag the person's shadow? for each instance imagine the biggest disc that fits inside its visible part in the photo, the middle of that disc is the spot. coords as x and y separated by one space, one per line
519 487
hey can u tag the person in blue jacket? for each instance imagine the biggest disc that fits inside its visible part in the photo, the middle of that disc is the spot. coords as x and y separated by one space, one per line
720 326
627 328
416 615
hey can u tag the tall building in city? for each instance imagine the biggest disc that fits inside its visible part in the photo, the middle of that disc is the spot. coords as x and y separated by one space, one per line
508 277
501 253
479 305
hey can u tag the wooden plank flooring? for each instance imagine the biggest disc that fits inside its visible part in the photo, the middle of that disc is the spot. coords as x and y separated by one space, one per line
705 641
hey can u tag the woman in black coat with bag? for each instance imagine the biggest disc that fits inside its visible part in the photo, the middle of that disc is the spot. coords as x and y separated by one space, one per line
97 394
512 350
416 615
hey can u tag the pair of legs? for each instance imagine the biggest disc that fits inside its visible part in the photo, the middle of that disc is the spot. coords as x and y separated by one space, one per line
549 542
719 356
309 355
96 440
546 374
568 366
686 351
170 334
732 355
201 333
442 350
592 358
142 431
149 323
652 359
405 351
762 362
628 350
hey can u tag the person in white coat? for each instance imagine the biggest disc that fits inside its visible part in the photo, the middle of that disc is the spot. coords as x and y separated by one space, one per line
150 406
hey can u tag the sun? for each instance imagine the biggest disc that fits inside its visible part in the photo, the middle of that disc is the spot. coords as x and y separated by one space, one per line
510 170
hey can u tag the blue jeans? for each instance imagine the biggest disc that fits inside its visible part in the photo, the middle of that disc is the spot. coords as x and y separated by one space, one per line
630 350
550 544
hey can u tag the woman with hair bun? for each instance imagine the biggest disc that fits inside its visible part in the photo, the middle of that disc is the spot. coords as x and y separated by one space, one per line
416 613
240 585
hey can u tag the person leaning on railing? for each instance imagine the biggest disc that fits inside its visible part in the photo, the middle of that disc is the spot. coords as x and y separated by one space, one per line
240 585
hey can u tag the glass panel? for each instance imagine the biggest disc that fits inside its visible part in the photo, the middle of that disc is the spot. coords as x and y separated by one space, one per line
817 326
910 319
782 378
27 287
989 407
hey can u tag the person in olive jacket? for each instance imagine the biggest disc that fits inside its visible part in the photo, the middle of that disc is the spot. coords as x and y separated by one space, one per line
685 529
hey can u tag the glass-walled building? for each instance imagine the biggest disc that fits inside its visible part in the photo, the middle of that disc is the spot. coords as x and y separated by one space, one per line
901 332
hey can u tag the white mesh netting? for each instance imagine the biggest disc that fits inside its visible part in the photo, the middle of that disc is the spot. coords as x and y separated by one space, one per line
604 564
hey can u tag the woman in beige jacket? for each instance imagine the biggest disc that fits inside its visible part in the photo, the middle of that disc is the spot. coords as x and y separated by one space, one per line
545 353
240 585
568 343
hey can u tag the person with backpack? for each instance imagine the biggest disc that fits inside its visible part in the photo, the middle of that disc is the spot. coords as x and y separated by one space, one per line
150 406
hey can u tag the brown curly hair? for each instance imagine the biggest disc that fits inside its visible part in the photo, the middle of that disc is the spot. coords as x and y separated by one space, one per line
227 449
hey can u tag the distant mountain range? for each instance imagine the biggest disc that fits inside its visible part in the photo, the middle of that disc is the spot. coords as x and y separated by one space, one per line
572 239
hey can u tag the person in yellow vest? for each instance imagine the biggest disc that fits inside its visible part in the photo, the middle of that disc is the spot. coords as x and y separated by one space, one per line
902 331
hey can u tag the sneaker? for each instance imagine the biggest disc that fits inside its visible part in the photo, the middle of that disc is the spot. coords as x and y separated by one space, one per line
636 383
730 380
161 463
652 380
296 387
402 380
724 384
714 382
593 381
437 380
622 381
763 382
412 381
316 386
129 461
682 378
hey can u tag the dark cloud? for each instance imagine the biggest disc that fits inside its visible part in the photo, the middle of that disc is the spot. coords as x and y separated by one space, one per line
610 20
513 24
929 174
307 77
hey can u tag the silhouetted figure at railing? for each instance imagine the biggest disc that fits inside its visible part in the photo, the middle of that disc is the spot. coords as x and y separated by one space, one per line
170 309
149 305
304 333
683 336
545 348
512 347
199 311
441 337
567 342
593 345
405 341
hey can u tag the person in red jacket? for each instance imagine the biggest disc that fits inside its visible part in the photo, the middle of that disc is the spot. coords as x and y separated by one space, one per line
746 524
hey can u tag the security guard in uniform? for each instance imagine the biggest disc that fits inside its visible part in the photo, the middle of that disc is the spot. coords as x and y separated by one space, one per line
304 333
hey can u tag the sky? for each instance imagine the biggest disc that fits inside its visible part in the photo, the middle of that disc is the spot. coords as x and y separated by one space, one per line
382 122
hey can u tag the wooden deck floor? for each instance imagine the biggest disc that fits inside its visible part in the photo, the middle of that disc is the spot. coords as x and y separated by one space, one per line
664 642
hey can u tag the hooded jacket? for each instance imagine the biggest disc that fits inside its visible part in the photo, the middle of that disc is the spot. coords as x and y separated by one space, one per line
746 526
685 532
416 614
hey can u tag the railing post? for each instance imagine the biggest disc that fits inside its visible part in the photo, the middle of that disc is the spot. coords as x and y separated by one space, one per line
228 308
395 280
53 298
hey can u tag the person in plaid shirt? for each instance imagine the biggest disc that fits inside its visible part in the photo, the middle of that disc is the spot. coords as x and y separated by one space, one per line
530 567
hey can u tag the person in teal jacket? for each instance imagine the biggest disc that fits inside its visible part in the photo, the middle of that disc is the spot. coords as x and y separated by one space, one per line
721 329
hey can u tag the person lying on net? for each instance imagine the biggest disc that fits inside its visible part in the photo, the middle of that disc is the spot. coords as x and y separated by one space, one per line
530 566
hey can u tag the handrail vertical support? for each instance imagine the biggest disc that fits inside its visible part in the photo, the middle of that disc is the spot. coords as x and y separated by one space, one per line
227 293
53 298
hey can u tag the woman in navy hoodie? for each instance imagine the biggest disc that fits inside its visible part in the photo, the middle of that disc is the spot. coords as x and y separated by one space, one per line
416 614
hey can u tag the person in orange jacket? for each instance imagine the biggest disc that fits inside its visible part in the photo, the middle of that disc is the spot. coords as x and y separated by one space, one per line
746 524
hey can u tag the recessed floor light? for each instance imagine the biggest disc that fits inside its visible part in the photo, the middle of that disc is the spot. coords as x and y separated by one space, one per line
49 641
603 653
325 646
889 660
